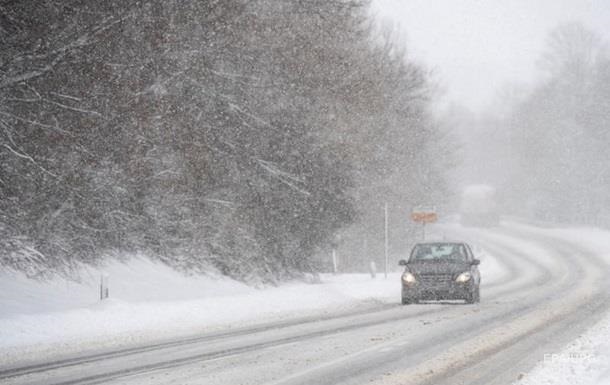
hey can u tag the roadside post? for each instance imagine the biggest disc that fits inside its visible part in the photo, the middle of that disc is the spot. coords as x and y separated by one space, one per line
385 264
104 292
423 215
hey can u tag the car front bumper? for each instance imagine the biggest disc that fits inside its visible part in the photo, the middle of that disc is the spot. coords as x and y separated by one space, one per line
438 292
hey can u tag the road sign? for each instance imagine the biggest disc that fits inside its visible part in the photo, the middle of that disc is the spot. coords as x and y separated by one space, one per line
424 214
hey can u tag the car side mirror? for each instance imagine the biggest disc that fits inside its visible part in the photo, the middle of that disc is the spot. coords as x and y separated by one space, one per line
402 262
475 262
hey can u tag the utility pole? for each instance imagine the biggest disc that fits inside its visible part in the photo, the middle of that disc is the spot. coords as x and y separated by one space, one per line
385 266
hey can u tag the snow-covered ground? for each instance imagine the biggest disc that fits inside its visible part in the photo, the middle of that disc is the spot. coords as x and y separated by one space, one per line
585 361
150 301
595 240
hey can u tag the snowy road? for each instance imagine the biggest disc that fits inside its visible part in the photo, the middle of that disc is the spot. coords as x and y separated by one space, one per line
549 290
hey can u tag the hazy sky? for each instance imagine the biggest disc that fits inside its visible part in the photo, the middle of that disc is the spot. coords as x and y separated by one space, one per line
478 46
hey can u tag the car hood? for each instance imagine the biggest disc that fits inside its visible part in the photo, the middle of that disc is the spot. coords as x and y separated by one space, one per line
438 267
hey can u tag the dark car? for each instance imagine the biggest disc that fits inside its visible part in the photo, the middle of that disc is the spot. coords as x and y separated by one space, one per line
440 271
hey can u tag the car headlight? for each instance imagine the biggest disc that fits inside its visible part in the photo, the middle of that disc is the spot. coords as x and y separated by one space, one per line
408 278
464 277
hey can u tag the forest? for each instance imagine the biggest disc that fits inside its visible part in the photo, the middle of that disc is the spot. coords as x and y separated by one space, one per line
244 137
545 144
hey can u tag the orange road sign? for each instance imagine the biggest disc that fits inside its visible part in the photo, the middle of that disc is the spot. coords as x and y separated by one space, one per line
424 217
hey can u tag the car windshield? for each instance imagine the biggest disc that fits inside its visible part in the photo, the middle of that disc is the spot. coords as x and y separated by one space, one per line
439 252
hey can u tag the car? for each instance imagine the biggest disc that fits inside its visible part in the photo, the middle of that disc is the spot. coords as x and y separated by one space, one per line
441 271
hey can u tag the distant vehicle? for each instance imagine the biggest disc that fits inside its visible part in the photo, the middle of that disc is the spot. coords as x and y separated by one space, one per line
478 206
440 271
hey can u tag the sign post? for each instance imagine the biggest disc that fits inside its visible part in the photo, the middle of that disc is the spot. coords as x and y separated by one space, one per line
385 265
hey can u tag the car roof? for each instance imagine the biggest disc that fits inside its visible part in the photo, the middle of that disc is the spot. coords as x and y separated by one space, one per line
440 243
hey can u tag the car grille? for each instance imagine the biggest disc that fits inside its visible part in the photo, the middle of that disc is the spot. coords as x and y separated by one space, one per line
436 279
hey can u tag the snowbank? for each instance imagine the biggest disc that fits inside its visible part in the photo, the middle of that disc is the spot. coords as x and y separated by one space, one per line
138 280
149 300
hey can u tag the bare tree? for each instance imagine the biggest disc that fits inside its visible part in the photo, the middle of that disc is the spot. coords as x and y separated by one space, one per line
572 50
